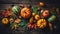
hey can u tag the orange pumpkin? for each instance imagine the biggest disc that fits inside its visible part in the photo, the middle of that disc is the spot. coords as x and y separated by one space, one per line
41 23
5 20
25 12
37 17
45 13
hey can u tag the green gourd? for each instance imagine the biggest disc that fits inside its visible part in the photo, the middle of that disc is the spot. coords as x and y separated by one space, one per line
15 9
52 18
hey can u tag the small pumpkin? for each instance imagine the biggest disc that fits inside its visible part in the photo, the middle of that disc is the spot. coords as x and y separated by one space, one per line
5 20
25 12
45 13
41 23
37 17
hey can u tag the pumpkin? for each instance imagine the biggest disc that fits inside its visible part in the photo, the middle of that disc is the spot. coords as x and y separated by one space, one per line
41 23
5 20
25 12
37 17
45 13
41 4
31 20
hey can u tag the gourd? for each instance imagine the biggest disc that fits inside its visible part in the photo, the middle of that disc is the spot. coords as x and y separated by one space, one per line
37 17
52 18
25 12
15 9
45 13
41 23
5 20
